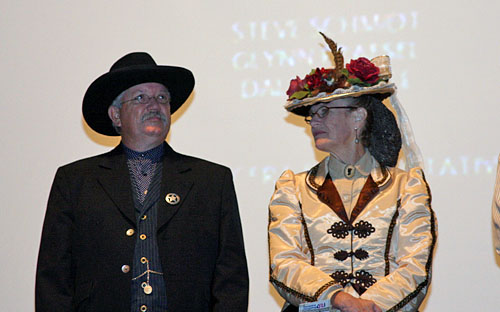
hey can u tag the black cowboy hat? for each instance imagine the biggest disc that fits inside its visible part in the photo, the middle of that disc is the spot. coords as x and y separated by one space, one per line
132 69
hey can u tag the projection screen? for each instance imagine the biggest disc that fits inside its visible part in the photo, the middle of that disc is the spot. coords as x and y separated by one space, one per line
445 62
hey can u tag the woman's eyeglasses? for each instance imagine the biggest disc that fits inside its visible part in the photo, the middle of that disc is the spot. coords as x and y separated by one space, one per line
323 111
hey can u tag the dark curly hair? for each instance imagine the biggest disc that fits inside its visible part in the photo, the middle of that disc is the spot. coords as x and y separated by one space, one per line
381 133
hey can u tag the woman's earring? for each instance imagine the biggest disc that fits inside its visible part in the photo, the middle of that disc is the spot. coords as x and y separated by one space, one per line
357 138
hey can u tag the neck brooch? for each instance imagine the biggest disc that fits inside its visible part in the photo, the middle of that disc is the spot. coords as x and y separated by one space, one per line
349 171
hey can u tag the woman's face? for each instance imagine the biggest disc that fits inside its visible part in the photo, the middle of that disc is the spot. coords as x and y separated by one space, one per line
335 132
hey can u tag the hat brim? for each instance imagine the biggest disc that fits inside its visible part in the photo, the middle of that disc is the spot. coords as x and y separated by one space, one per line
301 107
101 93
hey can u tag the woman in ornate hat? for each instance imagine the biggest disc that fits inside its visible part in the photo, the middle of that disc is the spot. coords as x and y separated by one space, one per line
354 229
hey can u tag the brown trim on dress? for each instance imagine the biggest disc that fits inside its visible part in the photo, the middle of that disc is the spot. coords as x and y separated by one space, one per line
329 195
323 288
301 295
311 175
306 234
389 238
369 191
292 291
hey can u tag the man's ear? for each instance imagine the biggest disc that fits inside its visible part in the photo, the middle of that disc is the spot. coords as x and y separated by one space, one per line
114 115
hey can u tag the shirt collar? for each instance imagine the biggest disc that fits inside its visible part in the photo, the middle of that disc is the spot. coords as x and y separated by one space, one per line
363 167
316 176
153 154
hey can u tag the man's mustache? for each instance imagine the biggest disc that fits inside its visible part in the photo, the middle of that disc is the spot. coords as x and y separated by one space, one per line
154 115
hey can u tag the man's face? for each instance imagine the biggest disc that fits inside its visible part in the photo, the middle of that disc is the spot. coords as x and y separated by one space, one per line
143 122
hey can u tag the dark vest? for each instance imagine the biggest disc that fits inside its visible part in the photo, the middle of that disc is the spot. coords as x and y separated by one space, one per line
148 295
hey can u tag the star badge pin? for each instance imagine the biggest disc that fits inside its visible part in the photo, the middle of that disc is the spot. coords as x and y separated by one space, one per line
172 199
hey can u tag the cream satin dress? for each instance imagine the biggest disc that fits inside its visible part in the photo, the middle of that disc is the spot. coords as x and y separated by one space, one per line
495 210
371 235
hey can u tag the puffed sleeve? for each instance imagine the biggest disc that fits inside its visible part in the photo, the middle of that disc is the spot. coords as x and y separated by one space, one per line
291 271
413 239
495 211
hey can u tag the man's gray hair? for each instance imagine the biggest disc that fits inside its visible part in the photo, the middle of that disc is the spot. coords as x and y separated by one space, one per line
117 102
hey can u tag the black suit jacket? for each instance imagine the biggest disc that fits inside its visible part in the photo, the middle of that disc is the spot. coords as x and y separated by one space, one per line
84 243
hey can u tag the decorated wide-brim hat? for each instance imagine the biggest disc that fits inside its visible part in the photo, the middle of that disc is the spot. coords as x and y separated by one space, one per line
130 70
359 77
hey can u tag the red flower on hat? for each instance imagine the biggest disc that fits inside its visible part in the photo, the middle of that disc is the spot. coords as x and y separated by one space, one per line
363 69
318 80
314 80
296 84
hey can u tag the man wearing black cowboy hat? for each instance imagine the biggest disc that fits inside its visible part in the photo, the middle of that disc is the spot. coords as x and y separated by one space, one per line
141 228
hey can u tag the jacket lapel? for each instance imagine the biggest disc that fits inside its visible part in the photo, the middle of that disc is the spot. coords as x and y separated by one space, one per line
329 195
174 181
115 180
369 191
319 180
377 179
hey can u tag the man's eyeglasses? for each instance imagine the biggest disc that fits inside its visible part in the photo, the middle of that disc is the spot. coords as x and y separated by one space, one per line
323 111
145 99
